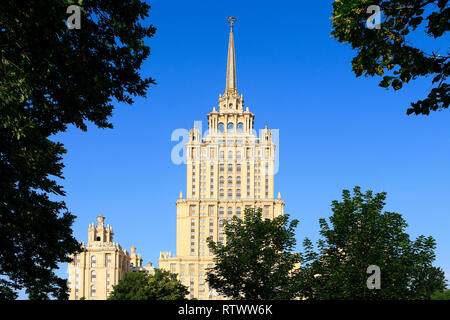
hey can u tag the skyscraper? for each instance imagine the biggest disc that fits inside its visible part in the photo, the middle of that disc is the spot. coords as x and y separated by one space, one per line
228 170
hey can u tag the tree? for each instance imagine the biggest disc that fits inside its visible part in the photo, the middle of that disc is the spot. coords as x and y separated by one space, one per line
441 295
387 51
52 77
257 261
163 285
361 235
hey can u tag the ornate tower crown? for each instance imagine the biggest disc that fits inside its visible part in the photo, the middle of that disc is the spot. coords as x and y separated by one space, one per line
231 101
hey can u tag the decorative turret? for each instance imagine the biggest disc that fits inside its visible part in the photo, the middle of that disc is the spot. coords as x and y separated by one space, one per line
100 233
135 259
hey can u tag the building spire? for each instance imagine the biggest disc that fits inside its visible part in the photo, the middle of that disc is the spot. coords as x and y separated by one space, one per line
231 83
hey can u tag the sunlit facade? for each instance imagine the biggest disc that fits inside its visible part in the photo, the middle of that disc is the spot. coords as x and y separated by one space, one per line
228 170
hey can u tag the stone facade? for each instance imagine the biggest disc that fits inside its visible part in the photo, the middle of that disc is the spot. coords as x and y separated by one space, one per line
101 264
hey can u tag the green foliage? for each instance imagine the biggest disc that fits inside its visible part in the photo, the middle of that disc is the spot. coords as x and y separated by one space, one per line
257 261
441 295
52 77
386 51
6 292
163 285
358 235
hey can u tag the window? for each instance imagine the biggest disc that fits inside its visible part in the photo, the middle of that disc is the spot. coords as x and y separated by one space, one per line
221 181
221 212
238 212
230 155
220 128
230 127
238 181
221 194
230 181
93 276
230 194
240 127
238 193
93 261
93 291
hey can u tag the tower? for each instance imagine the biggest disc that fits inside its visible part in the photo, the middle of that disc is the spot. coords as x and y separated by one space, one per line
101 264
228 170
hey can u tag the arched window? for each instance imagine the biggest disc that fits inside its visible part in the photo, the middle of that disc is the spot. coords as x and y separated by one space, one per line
238 193
240 127
238 212
221 155
230 155
93 261
238 155
238 181
230 211
230 106
221 193
221 181
221 211
230 181
93 276
93 291
230 194
220 128
230 127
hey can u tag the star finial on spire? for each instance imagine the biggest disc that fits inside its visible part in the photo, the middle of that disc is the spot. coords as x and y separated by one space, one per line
231 20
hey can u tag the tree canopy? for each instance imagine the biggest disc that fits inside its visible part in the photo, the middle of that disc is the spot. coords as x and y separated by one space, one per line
257 259
388 52
359 235
52 77
163 285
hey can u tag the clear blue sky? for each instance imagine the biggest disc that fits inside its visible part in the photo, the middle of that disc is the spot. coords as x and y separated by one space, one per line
336 130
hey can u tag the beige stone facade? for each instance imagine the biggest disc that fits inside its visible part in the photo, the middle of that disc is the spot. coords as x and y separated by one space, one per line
101 264
229 169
